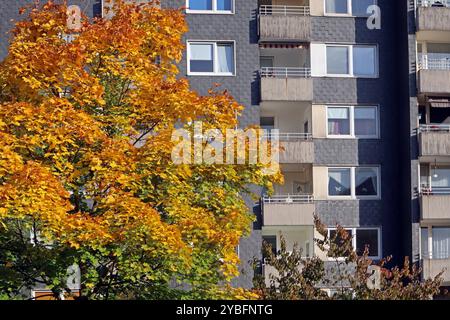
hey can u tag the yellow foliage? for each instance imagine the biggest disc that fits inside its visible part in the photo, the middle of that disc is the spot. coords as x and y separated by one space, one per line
85 138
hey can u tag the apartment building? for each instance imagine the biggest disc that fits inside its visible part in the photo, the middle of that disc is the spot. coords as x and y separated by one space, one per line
364 135
427 116
313 70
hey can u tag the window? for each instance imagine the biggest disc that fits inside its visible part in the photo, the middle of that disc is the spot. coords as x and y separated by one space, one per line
353 122
354 182
338 121
362 237
367 238
339 241
356 8
201 57
210 6
440 243
425 252
337 60
359 7
366 181
336 6
352 60
211 58
440 178
339 182
364 61
366 121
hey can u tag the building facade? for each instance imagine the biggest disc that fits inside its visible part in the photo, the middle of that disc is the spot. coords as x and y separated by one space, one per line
427 120
362 114
315 71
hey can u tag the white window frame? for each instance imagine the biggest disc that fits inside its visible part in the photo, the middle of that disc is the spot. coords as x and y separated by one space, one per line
353 195
354 231
215 58
350 73
214 9
352 134
349 10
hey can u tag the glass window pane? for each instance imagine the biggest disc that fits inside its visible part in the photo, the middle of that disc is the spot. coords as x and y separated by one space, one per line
338 121
337 60
224 5
440 178
201 58
364 61
336 6
366 181
359 7
424 242
365 121
338 240
441 243
339 182
200 4
367 238
225 58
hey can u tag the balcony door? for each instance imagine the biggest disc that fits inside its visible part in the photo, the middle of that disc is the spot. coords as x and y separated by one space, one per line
435 242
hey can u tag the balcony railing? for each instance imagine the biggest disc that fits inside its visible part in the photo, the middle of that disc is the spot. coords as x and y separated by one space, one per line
435 128
288 199
280 72
433 3
435 191
434 63
284 10
289 136
439 254
433 267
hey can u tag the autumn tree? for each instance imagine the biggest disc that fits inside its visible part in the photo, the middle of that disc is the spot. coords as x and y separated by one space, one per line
351 276
86 174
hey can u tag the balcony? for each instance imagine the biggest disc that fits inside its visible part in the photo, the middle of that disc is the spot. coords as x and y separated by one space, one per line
285 72
288 210
433 19
286 84
434 74
435 251
302 237
296 148
435 204
434 141
284 23
432 267
293 120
